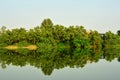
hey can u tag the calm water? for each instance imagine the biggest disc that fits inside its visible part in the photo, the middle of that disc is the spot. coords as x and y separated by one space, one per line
102 70
60 65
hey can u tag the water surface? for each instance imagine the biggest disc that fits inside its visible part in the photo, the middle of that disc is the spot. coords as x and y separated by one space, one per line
58 66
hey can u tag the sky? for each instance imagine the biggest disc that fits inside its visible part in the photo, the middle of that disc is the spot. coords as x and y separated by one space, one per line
100 15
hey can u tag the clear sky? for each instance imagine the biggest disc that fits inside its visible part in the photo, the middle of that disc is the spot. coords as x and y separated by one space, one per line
100 15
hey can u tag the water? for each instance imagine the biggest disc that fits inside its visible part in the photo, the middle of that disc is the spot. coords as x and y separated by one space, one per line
102 70
61 65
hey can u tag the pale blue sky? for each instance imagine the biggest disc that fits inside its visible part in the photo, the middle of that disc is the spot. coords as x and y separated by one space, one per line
100 15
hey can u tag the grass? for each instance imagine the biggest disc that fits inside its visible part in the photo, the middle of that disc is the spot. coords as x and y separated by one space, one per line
10 47
30 47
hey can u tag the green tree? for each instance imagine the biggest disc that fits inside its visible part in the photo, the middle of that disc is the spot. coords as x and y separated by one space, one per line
118 32
95 39
47 23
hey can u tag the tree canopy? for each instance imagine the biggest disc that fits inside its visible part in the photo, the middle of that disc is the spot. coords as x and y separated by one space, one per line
56 46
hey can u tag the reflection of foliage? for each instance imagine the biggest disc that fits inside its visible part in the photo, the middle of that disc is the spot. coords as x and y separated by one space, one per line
111 53
22 51
58 46
96 54
2 50
56 59
119 59
47 68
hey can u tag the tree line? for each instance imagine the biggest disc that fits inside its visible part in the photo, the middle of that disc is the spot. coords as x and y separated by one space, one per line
48 34
58 46
48 60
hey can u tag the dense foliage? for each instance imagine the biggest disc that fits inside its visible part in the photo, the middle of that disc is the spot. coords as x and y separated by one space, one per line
48 60
58 46
53 35
48 34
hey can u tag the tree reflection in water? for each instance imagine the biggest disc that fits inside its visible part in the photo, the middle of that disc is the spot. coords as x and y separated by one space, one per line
48 60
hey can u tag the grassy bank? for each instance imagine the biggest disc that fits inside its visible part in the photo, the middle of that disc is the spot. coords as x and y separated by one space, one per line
29 47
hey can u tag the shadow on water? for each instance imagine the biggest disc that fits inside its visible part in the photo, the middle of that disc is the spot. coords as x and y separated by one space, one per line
47 58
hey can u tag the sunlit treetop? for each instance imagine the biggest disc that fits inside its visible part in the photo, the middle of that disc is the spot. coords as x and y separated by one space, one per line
47 23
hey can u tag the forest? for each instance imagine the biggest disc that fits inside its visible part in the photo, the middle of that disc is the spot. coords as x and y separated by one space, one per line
48 35
50 46
49 60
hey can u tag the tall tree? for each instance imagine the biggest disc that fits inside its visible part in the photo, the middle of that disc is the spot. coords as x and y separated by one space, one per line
47 23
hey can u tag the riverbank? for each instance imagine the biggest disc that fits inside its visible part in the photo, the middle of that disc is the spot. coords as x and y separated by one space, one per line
29 47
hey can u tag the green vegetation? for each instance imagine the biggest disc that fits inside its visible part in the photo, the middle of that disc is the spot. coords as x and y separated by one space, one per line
48 60
51 35
111 39
50 46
